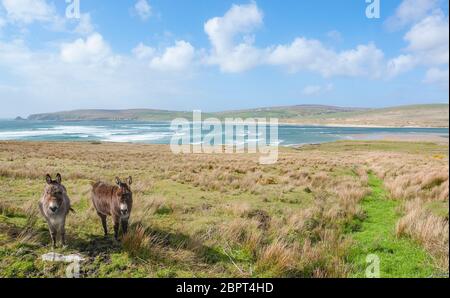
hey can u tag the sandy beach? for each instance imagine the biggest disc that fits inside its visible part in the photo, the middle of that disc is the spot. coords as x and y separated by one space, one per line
432 138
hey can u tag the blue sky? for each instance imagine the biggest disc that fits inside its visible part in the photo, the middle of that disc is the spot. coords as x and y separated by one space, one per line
220 55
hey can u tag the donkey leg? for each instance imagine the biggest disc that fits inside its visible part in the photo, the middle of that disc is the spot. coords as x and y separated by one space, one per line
63 234
104 224
124 226
53 234
116 221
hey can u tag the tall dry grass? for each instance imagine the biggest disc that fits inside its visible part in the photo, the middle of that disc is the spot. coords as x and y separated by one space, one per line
417 179
428 229
290 217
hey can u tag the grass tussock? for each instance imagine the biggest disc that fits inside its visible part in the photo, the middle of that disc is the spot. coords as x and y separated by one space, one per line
218 215
278 258
418 181
429 230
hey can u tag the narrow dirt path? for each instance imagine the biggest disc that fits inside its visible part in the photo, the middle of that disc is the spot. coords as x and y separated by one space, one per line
376 236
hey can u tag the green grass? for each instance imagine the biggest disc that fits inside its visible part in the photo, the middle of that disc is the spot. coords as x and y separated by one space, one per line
434 115
439 208
398 257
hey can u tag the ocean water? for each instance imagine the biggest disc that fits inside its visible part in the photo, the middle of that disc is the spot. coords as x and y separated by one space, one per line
160 132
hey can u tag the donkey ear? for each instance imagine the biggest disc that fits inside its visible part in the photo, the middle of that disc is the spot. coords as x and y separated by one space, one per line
129 180
48 178
58 178
118 182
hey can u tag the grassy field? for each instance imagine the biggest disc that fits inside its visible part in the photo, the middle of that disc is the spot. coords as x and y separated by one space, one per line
431 115
318 212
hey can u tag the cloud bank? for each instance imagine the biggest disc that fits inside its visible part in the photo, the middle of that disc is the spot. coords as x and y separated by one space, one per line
87 66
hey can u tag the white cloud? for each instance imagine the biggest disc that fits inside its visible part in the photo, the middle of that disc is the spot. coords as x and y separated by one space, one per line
428 45
302 54
401 64
26 12
312 55
142 52
429 39
410 11
314 90
93 50
87 68
222 33
29 11
143 9
364 60
438 76
46 80
176 58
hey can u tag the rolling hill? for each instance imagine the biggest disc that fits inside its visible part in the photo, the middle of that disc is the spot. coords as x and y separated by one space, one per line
431 115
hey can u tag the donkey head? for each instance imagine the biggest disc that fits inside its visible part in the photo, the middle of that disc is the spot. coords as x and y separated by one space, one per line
54 193
124 195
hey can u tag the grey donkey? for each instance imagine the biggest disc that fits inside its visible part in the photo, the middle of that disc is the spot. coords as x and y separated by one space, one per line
55 206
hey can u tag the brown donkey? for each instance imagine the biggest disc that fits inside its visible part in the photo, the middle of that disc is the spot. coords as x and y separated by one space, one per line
54 206
115 201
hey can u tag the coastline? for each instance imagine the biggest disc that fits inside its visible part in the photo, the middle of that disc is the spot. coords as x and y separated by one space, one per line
432 138
341 125
307 124
292 134
376 137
